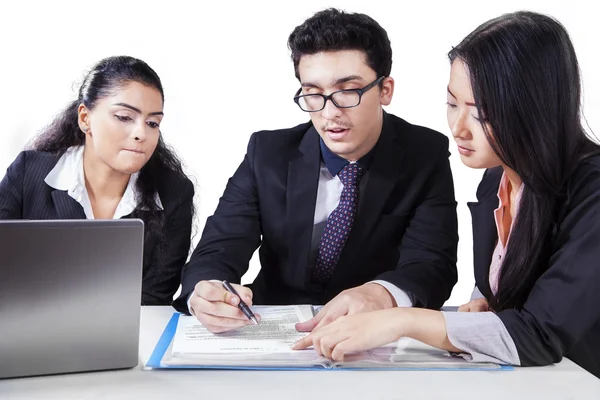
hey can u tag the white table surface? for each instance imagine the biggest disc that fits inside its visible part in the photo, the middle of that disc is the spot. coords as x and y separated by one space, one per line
562 381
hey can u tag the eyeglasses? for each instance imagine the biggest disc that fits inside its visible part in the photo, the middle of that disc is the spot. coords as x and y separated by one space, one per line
341 99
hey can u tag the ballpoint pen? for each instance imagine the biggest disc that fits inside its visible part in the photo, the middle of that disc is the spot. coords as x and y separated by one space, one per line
242 306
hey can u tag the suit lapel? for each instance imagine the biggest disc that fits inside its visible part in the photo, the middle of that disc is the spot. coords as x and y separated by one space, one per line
381 179
66 206
485 235
301 194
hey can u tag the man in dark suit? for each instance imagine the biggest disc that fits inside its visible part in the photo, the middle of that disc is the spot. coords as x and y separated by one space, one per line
355 209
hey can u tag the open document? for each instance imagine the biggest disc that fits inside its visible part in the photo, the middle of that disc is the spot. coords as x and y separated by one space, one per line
187 344
275 333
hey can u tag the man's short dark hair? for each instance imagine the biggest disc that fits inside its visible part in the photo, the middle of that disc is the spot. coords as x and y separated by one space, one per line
336 30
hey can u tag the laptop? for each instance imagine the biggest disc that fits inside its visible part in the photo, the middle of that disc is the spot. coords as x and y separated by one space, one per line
70 294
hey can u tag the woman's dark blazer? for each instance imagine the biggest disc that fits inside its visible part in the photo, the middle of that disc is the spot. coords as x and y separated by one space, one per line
561 316
25 195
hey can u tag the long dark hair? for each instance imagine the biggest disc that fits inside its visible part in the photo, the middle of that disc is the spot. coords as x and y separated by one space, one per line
103 79
526 84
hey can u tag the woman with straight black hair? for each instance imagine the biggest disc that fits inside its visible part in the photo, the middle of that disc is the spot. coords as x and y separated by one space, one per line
104 157
514 109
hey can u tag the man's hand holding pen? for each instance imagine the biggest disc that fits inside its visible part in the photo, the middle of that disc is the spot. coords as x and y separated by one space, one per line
218 309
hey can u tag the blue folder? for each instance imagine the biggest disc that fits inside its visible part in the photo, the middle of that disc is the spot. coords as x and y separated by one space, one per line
155 361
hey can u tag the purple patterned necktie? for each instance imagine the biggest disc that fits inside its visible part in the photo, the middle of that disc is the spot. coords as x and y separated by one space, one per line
338 225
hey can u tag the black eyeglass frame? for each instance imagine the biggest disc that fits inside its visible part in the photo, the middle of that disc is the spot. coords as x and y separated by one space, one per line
360 92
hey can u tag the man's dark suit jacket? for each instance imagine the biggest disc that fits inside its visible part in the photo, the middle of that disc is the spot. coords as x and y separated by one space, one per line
405 231
561 316
25 195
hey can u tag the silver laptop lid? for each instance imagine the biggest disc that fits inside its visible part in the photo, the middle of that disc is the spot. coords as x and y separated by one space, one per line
70 294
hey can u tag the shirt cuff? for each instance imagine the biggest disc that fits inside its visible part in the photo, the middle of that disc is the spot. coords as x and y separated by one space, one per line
190 309
400 296
476 294
481 336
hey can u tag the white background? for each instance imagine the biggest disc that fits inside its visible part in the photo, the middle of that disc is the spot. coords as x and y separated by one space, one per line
227 72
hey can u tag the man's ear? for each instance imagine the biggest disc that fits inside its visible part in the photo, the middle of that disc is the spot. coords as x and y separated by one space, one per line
387 91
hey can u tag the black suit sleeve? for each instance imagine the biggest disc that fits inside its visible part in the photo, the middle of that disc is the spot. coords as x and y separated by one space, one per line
11 190
162 281
562 306
230 236
426 269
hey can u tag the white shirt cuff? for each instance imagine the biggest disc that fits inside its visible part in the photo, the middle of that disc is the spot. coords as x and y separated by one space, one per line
476 294
481 336
189 300
399 295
